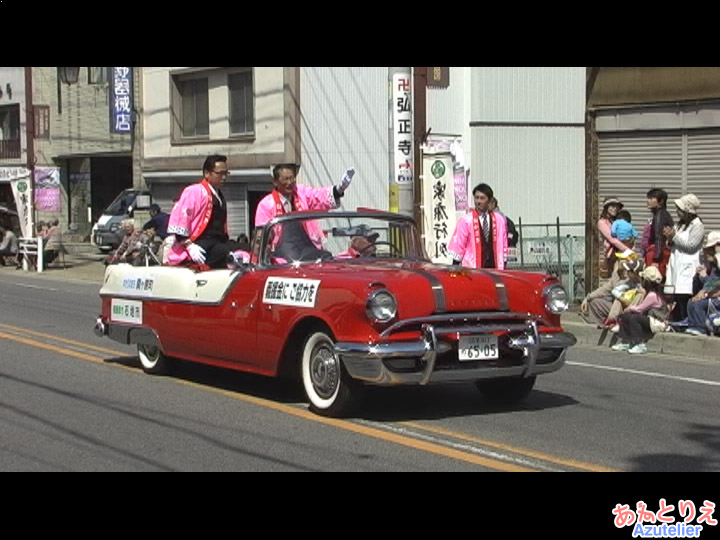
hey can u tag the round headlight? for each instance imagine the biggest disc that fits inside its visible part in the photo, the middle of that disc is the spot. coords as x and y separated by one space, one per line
556 299
381 306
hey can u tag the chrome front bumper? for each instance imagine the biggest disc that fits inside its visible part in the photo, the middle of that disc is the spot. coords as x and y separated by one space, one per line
367 361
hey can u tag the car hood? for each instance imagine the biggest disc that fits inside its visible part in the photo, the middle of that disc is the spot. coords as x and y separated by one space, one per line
446 288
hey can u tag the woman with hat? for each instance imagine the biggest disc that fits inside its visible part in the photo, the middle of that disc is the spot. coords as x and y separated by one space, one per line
634 323
685 240
611 245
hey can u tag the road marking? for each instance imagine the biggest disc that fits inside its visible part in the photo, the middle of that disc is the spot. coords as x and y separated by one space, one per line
402 440
53 348
513 449
62 340
646 373
35 287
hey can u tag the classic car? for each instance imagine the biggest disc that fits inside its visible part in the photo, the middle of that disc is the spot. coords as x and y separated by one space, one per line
367 307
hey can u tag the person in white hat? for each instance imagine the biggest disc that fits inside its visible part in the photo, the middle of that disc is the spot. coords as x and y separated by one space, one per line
709 279
611 245
634 323
685 240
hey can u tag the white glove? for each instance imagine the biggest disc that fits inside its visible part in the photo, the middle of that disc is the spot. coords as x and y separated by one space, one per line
197 253
346 179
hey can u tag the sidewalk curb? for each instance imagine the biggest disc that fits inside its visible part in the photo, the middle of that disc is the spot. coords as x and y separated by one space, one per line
670 343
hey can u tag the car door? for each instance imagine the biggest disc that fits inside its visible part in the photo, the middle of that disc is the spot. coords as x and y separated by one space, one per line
227 330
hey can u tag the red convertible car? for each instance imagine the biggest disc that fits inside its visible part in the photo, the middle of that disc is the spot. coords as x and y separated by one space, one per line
364 307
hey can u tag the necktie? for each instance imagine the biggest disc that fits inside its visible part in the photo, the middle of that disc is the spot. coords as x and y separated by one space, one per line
486 227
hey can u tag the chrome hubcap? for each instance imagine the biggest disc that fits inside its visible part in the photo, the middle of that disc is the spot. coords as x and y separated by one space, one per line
324 371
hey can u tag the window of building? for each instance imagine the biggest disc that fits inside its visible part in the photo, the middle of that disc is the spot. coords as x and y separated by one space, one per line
10 131
242 117
98 75
190 107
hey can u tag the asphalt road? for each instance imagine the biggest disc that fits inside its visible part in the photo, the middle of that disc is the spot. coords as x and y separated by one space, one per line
70 401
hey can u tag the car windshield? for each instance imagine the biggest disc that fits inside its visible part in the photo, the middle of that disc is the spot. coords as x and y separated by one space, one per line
119 207
340 236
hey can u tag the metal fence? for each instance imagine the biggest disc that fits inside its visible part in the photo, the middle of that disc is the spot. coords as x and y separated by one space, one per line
554 248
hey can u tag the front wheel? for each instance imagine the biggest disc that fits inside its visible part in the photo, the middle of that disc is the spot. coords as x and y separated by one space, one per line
153 360
326 384
506 391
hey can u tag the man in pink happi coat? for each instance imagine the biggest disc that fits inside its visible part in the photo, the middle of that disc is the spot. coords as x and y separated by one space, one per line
199 220
480 238
298 240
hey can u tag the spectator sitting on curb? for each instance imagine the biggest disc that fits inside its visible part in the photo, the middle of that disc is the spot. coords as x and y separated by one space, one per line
635 323
709 274
605 304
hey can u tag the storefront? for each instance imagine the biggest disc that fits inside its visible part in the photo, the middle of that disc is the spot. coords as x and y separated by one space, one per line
676 148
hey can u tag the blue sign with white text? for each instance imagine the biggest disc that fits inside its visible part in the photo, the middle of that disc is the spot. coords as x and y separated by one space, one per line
121 100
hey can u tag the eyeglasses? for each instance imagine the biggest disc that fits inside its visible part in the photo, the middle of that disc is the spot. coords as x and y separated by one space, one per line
221 173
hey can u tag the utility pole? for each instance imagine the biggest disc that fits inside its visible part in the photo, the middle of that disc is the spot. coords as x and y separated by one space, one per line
419 130
30 144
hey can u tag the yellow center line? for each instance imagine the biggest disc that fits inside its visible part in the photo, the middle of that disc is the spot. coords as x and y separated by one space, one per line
508 448
409 442
62 340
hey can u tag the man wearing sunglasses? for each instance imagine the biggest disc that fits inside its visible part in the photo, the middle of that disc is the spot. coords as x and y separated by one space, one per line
199 220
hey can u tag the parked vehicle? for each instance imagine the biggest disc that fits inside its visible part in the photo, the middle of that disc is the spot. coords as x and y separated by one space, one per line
340 319
107 233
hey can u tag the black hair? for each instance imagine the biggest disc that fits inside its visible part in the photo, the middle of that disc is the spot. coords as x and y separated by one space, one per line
211 160
659 194
294 167
624 214
485 189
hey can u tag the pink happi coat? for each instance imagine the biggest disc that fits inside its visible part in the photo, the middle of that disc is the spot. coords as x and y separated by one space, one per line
190 217
305 198
466 241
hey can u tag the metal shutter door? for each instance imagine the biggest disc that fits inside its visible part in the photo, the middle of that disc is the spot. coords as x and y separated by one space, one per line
236 197
630 164
703 175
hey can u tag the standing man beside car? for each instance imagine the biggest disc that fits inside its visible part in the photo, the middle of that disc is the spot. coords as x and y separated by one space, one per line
480 239
298 240
199 220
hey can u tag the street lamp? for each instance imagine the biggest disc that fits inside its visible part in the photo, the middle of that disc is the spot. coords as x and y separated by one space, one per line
67 75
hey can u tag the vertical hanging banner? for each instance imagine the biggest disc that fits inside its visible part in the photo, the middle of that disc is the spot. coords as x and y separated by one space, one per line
47 189
121 100
402 128
23 202
439 214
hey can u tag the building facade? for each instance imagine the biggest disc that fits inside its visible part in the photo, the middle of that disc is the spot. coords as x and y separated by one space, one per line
79 163
653 127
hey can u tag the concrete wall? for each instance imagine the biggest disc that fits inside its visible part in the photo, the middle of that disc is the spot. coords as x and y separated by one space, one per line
344 123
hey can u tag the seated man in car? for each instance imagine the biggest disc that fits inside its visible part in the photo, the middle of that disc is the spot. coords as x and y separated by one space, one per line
360 246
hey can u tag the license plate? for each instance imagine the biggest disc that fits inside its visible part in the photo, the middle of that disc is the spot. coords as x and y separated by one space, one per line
478 347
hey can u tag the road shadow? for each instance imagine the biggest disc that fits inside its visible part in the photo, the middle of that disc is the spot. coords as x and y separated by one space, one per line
274 389
380 404
703 453
445 401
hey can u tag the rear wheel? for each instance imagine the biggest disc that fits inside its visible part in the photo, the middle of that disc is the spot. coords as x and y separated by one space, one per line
506 391
324 380
153 360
